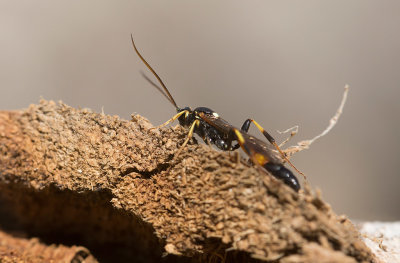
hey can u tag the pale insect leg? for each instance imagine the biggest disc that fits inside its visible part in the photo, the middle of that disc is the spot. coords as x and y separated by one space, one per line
190 135
172 119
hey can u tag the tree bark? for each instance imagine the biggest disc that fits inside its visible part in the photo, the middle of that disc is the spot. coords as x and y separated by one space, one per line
75 177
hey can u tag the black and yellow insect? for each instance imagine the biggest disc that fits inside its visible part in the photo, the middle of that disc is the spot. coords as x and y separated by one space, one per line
214 130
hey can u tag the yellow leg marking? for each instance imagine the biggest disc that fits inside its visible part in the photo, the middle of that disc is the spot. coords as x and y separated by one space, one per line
279 149
239 136
253 157
241 140
172 119
190 135
258 125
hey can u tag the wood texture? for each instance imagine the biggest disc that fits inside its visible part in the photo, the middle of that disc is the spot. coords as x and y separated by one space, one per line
75 177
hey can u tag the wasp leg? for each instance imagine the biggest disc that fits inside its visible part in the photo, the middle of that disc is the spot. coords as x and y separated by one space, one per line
204 135
172 119
235 147
276 169
245 128
190 135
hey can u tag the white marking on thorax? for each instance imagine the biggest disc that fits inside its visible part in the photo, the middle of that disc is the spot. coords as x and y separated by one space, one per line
215 115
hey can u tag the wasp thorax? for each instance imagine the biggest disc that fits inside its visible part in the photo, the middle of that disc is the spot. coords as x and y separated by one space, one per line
212 129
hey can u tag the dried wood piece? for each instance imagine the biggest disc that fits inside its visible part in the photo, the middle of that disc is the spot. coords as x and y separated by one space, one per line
75 176
15 249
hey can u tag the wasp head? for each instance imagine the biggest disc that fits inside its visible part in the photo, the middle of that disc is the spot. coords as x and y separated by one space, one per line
187 118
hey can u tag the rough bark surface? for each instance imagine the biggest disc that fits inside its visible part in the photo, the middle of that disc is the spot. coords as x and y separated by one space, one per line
75 177
16 248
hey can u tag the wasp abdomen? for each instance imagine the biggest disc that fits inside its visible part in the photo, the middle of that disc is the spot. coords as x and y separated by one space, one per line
284 174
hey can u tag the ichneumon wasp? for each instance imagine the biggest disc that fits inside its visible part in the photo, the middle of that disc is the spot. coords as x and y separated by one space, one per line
214 130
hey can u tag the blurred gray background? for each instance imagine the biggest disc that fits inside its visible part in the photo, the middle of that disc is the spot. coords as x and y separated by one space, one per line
280 62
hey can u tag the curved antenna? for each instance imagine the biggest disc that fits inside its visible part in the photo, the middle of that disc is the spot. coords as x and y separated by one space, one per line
156 86
154 73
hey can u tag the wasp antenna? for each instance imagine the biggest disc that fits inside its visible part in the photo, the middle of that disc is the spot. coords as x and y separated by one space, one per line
171 99
156 86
